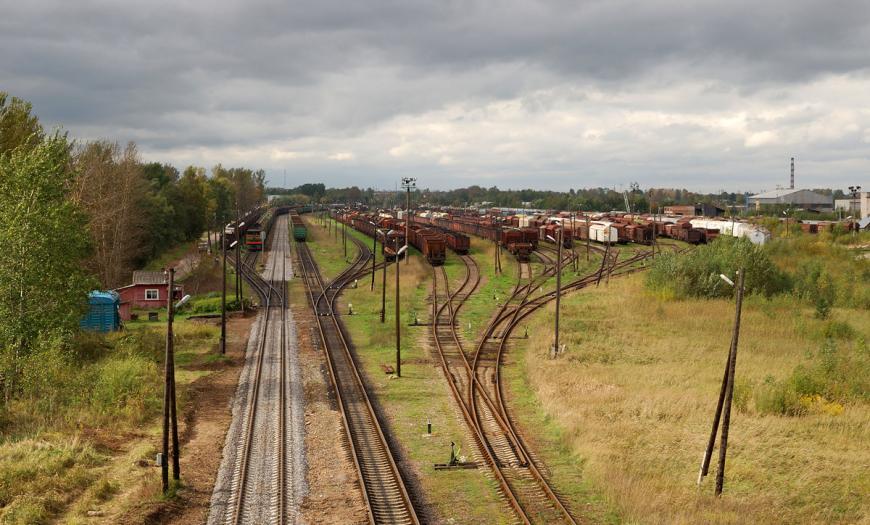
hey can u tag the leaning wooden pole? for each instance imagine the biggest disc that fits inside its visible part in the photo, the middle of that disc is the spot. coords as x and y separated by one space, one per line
729 389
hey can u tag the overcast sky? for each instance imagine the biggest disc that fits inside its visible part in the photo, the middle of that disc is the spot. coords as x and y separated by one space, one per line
702 95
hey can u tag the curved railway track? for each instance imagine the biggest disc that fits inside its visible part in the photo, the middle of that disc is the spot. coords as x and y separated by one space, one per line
382 485
476 383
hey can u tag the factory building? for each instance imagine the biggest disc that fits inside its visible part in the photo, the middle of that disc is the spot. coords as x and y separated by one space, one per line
804 199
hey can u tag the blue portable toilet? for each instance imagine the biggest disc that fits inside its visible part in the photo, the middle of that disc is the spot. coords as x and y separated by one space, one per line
103 313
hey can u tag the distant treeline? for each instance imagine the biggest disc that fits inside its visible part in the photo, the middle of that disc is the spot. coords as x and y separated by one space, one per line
599 199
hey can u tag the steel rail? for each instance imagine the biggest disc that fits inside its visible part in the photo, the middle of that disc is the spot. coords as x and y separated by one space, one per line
377 469
265 290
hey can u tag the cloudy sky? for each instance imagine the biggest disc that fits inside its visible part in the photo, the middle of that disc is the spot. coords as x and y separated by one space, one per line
702 95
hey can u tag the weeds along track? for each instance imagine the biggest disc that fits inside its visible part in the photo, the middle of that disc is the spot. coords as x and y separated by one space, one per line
259 488
382 485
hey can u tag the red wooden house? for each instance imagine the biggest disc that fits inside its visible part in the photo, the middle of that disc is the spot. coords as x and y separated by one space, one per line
148 292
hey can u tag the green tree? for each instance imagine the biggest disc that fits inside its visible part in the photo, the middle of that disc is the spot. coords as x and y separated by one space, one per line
17 126
43 287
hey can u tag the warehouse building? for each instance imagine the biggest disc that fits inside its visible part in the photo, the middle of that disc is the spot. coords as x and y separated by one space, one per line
804 199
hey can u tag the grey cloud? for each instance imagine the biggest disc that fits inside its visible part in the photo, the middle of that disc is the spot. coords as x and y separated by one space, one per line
186 75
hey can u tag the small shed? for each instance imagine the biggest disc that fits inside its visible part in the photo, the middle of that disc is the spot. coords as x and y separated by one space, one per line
103 314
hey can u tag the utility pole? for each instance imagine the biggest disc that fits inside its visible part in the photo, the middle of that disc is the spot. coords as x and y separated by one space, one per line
238 259
558 285
223 293
170 418
726 395
398 326
241 295
408 183
344 235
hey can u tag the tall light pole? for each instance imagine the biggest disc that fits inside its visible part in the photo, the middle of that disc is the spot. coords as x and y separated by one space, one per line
399 252
223 344
854 190
407 183
240 296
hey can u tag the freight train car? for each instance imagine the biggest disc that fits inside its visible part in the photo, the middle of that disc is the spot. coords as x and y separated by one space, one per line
300 231
254 238
430 242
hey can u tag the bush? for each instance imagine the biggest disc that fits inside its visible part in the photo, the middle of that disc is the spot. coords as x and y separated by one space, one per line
212 305
696 274
837 374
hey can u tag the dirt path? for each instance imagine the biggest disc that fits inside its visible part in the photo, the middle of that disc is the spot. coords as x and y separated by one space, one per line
207 418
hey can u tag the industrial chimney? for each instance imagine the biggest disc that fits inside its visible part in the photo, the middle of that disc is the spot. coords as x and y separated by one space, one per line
791 187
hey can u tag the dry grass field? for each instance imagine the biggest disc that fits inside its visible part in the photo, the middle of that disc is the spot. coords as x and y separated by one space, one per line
632 401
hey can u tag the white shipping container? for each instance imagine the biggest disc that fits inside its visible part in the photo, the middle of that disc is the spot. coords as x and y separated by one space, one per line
603 232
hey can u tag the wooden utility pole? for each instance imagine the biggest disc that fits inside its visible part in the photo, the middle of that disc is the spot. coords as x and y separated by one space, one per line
726 395
170 417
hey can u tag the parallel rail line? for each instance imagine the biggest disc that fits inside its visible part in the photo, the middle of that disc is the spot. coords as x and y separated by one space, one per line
383 488
266 289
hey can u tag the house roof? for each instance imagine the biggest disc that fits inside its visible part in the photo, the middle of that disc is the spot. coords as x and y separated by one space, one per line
143 277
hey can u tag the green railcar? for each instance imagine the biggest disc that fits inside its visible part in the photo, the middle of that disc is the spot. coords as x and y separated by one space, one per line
300 231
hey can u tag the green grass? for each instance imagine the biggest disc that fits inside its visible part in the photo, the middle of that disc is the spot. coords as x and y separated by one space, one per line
66 444
463 496
631 404
38 476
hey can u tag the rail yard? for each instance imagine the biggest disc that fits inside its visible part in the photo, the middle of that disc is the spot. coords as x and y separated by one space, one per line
262 477
262 457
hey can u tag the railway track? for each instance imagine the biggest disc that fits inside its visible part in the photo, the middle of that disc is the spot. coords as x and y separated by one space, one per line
476 384
383 488
263 471
481 404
